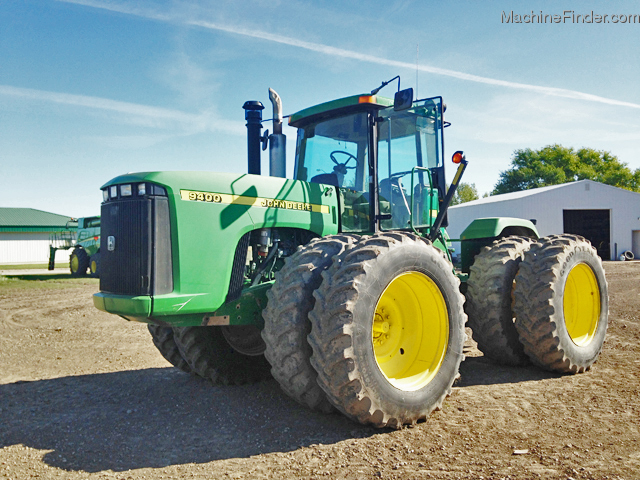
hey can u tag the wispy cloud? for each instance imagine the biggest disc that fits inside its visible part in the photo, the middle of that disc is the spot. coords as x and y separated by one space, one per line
180 18
523 119
151 116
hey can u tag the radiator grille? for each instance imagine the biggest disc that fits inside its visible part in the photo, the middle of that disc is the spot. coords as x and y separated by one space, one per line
136 247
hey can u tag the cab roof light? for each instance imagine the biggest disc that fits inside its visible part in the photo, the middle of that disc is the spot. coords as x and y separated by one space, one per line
367 99
158 190
125 190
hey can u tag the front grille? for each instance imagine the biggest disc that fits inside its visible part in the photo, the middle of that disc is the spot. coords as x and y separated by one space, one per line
136 246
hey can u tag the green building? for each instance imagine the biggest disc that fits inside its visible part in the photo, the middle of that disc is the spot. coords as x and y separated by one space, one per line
25 232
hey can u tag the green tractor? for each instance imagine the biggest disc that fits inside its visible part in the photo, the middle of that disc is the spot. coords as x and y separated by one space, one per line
338 283
85 242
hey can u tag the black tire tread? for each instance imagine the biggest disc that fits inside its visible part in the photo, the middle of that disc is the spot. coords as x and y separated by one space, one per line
95 257
166 345
287 319
210 356
489 300
83 262
537 284
332 330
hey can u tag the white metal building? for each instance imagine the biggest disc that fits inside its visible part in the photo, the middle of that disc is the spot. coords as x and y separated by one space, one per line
608 216
24 236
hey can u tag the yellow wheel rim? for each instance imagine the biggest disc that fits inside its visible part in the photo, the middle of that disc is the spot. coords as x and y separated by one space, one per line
581 304
94 266
75 263
410 331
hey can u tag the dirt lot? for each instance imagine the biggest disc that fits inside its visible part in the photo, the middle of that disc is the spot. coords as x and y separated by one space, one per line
85 394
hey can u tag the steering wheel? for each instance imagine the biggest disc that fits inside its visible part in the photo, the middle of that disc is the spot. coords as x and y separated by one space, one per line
342 167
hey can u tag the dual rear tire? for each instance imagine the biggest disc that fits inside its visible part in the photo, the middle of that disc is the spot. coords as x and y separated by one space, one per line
489 300
544 302
561 304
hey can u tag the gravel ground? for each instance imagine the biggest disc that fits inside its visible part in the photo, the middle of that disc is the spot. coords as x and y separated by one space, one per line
85 395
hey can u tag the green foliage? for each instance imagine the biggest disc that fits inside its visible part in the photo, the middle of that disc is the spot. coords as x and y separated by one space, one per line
555 164
465 193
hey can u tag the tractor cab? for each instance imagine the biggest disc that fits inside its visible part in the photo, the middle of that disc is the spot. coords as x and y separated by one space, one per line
385 159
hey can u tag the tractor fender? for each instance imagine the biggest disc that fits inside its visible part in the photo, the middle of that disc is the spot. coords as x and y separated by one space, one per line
483 231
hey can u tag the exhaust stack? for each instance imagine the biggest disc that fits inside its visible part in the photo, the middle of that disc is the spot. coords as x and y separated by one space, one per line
253 116
277 140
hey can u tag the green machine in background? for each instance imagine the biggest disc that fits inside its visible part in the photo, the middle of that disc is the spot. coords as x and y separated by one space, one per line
338 282
84 238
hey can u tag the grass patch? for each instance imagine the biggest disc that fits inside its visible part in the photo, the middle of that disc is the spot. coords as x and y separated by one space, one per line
31 266
51 281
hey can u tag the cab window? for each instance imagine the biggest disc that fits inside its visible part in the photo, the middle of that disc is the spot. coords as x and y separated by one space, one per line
336 152
408 139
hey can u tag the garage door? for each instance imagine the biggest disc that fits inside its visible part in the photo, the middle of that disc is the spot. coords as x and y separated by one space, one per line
594 225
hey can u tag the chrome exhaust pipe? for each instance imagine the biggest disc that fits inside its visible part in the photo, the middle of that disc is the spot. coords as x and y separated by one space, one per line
277 140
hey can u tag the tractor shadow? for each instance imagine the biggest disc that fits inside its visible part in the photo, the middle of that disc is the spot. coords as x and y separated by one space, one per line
482 371
158 417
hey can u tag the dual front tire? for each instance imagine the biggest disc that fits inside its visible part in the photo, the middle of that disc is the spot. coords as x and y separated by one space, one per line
388 330
287 322
164 340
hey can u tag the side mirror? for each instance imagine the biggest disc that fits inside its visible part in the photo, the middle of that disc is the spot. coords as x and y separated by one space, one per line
403 99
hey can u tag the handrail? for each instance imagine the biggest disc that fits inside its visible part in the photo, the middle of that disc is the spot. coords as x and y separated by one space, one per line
60 240
413 170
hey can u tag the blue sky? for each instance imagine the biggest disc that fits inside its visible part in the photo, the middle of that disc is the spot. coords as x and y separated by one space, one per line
90 89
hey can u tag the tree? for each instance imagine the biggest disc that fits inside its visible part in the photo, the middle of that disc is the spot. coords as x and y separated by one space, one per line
555 164
465 193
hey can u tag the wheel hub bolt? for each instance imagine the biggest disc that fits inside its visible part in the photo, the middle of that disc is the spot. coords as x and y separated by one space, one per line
380 326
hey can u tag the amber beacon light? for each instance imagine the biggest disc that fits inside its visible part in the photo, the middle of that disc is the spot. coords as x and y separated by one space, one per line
457 157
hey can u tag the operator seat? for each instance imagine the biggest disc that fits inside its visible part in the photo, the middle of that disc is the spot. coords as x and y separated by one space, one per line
326 178
400 212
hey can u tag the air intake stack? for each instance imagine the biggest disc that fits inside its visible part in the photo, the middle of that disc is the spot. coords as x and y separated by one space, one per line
253 116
